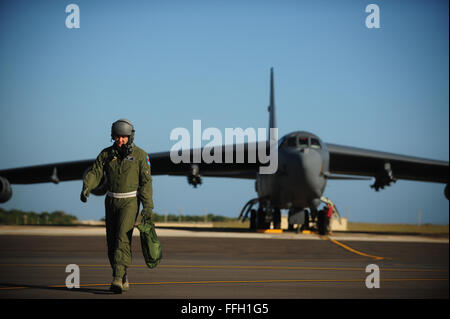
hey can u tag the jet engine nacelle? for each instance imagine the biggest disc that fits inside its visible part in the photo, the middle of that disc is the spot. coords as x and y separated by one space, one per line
194 177
102 188
5 190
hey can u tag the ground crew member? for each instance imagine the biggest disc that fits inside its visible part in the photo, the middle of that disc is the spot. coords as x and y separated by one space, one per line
129 182
330 210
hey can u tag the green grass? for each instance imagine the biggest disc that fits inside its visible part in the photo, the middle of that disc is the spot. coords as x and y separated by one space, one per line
399 228
232 224
364 227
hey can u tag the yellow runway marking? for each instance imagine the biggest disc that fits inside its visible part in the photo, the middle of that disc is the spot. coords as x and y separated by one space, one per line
235 267
300 268
281 281
246 282
353 250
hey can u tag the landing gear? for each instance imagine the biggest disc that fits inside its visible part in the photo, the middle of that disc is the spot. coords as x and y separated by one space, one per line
262 217
253 219
305 219
277 218
323 223
305 225
290 225
309 220
300 217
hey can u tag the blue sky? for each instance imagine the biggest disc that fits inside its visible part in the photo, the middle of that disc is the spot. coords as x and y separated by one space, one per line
163 64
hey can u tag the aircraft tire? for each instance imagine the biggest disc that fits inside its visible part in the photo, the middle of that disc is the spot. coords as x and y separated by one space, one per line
253 219
323 223
276 218
260 218
290 226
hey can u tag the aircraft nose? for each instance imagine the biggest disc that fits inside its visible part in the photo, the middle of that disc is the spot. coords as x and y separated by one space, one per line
310 166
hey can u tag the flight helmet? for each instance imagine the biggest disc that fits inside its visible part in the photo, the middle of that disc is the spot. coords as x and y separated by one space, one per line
123 127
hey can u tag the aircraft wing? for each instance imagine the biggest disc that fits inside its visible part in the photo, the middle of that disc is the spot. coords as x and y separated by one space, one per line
56 172
161 164
385 166
344 160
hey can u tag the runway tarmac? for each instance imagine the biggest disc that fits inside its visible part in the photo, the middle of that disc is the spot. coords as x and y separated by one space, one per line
226 265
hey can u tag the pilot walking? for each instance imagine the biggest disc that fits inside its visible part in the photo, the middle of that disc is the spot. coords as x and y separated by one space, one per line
126 168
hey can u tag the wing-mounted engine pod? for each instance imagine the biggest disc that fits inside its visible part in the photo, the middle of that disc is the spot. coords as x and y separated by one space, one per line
194 178
384 177
102 188
5 190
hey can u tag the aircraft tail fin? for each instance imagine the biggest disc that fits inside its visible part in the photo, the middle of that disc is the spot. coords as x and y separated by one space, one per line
271 109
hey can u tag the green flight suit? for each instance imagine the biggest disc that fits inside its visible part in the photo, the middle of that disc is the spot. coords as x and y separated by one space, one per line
124 175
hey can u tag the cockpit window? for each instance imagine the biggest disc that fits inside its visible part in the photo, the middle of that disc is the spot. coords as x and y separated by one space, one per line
295 141
315 143
303 142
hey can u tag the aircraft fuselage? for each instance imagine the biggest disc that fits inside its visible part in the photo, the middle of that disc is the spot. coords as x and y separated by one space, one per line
303 163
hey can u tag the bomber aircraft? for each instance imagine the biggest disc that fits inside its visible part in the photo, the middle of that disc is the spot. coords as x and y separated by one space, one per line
305 164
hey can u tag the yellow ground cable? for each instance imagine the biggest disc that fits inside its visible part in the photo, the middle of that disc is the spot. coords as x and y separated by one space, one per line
353 250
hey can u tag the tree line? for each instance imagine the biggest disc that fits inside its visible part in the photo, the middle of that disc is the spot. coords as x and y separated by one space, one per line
18 217
189 218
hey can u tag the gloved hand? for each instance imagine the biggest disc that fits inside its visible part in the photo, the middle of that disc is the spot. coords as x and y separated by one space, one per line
84 195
